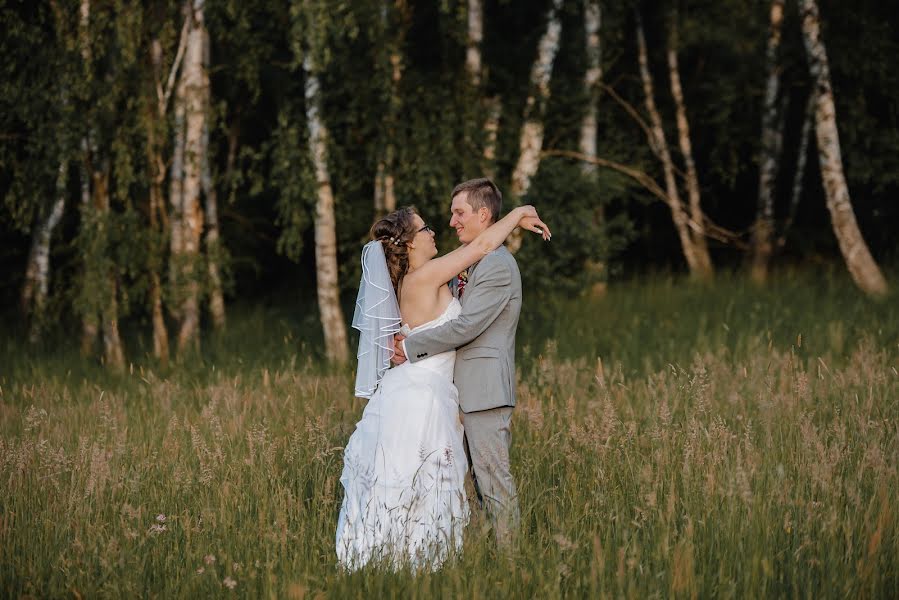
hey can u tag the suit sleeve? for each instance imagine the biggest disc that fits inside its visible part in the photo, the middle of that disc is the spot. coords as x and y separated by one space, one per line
485 299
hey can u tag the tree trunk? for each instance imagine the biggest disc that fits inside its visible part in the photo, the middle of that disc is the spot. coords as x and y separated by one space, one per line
90 325
772 137
592 78
95 206
385 194
187 214
37 273
659 145
213 239
801 159
697 229
531 140
474 39
113 354
861 265
332 320
493 110
156 168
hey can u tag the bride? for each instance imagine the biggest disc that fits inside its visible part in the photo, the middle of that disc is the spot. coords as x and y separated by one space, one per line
404 466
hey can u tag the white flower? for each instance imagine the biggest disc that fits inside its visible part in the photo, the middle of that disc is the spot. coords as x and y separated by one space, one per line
209 559
156 528
201 570
160 518
229 583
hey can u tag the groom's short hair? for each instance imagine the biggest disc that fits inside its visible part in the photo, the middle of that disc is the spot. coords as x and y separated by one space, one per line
481 193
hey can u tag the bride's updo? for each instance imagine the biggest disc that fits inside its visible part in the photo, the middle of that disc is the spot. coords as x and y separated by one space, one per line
394 232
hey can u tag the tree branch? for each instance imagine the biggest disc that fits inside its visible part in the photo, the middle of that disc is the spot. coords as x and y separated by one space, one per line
712 230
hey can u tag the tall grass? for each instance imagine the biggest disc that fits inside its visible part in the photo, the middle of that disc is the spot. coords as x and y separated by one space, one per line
670 441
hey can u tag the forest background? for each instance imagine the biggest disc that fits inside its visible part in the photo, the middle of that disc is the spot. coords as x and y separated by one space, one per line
162 157
707 354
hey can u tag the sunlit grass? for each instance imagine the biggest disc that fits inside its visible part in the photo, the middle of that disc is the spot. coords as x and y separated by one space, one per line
672 441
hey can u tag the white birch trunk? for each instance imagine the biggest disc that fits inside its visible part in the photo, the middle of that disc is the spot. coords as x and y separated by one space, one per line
531 140
801 158
587 143
861 264
385 194
332 319
592 78
697 221
37 273
474 39
494 108
187 217
772 136
213 237
660 146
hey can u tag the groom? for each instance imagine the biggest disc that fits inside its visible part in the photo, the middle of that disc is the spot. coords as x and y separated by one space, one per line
484 335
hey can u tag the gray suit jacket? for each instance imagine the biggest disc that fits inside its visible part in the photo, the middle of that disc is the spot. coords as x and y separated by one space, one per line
483 334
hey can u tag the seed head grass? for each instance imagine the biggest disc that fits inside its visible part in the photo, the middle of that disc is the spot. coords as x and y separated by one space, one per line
670 440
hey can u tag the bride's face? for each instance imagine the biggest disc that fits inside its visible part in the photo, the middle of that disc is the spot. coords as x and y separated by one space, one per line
422 245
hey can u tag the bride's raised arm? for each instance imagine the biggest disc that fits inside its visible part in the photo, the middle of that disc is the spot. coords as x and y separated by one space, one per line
440 270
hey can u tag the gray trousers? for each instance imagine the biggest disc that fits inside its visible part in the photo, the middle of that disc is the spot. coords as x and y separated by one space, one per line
487 440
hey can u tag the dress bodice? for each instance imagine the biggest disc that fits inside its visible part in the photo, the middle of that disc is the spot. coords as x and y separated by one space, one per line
443 363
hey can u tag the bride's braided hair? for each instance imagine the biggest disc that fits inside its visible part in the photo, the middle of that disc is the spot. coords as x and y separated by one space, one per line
394 232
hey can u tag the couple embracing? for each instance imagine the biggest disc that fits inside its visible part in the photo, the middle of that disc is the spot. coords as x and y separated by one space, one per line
448 323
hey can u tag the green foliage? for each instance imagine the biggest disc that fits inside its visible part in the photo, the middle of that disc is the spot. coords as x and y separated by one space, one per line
52 100
292 175
574 205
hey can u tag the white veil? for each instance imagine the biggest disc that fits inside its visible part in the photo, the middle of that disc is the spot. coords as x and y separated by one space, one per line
377 317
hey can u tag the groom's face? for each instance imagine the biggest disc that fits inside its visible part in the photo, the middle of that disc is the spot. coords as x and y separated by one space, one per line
467 222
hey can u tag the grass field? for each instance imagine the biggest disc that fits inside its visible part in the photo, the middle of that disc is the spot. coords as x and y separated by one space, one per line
671 440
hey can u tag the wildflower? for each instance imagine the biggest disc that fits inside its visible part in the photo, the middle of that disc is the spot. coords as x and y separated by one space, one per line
229 583
209 559
160 518
156 528
201 570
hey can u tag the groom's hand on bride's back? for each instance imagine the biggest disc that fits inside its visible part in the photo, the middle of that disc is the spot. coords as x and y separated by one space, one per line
399 357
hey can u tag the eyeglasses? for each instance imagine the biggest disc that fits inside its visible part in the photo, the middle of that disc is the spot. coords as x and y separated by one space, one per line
425 228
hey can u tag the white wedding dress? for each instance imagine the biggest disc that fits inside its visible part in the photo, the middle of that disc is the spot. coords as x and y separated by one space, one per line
404 468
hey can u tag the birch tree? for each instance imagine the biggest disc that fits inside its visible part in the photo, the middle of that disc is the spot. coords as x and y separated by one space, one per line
704 267
186 180
531 138
659 145
861 264
587 140
394 22
37 271
99 291
158 219
332 320
592 79
477 79
799 175
772 136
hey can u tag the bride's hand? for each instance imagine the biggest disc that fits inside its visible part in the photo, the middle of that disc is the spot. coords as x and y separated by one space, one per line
530 220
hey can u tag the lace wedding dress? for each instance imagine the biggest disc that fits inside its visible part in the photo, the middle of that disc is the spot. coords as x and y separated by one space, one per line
404 468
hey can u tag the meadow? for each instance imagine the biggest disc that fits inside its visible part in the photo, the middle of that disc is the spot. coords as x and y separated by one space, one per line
671 440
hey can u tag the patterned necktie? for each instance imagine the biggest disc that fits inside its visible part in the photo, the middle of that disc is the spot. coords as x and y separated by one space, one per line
463 279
